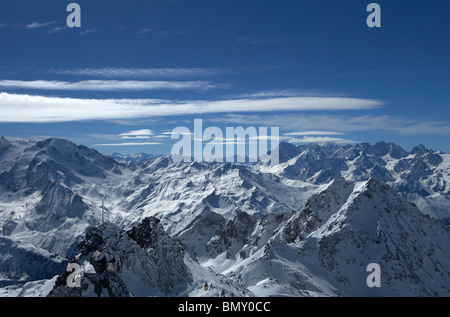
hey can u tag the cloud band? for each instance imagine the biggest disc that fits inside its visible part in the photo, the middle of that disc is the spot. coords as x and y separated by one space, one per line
40 109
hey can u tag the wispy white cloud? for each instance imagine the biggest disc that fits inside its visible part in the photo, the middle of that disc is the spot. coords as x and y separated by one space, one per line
146 132
29 26
137 134
292 104
282 93
118 72
27 108
37 25
90 31
322 139
127 144
342 123
161 136
313 133
104 85
122 72
135 137
57 29
242 140
103 136
169 133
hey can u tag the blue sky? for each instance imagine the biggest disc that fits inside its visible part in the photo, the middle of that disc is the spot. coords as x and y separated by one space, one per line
135 70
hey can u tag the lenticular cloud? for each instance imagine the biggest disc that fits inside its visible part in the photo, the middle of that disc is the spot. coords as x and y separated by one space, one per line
29 108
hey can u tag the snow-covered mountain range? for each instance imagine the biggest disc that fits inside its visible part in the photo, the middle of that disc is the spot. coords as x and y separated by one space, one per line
306 227
132 157
421 176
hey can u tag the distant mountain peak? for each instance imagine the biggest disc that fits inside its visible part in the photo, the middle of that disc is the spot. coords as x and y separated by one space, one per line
419 149
4 143
132 157
383 148
57 142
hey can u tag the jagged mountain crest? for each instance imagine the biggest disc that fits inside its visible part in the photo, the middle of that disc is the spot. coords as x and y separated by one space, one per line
373 226
339 232
142 261
130 266
238 223
421 175
79 158
4 144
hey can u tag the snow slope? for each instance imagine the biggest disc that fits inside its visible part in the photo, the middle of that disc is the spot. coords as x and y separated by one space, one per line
151 264
324 249
306 227
421 176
